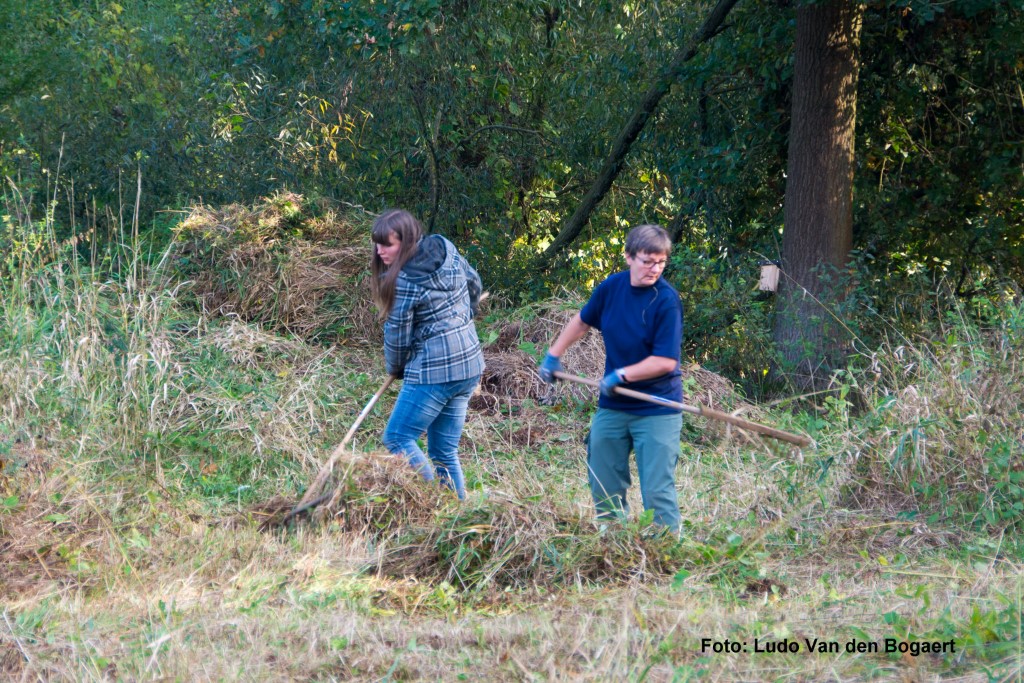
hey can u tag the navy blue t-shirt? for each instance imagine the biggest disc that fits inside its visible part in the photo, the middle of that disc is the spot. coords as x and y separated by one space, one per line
637 322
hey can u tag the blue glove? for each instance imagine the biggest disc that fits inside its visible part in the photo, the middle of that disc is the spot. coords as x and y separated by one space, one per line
612 380
549 367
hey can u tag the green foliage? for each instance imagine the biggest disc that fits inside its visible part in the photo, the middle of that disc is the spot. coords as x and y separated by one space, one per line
939 186
988 634
729 561
489 119
938 413
726 319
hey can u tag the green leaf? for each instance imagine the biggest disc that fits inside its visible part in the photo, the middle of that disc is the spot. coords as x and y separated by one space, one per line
680 578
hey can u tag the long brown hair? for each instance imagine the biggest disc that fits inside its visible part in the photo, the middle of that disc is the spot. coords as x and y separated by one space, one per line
407 230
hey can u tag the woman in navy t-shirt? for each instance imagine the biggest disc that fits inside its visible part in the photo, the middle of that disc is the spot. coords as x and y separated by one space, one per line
640 318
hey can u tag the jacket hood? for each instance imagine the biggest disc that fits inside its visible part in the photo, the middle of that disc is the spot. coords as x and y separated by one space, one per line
430 266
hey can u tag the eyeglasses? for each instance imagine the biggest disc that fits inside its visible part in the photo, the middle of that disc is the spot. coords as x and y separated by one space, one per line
649 264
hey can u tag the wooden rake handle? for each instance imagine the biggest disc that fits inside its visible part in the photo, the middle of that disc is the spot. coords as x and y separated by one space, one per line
703 411
311 499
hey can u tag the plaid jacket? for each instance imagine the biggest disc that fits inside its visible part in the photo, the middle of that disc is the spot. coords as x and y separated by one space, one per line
429 336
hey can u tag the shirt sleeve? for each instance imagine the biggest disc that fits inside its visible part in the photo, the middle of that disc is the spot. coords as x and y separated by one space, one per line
591 311
474 284
398 330
669 337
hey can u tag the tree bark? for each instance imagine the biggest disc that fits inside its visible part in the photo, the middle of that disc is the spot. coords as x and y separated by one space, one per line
818 224
634 126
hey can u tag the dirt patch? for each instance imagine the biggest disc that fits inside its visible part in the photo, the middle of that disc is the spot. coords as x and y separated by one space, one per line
758 588
265 514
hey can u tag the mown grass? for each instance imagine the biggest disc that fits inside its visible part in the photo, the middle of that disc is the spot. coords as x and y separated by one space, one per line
145 445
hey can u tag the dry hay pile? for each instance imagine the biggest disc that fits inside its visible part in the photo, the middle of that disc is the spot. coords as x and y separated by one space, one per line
511 373
381 494
250 347
504 542
500 540
374 493
287 264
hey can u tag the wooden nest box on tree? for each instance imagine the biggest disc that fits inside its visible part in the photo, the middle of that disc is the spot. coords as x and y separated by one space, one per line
769 276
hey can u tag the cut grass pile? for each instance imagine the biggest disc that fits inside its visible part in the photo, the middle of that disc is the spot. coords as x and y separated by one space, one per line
288 264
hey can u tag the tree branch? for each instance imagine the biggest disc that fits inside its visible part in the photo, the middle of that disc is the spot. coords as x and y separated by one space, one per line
629 133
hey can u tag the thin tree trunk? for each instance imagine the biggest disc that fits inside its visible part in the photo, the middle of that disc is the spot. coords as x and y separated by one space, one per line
818 231
634 126
700 196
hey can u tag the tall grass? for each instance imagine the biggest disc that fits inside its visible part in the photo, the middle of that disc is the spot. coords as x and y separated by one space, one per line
934 422
113 363
83 356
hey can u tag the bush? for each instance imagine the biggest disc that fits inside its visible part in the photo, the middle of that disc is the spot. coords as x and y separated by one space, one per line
942 415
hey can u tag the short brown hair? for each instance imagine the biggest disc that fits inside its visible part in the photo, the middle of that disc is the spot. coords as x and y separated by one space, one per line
648 239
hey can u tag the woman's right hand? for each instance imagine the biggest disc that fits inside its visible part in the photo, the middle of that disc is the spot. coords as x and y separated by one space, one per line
548 367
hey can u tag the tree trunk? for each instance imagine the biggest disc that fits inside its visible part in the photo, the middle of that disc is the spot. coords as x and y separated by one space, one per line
818 231
629 133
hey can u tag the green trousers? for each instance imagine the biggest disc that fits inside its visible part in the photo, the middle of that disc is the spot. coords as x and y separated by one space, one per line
655 441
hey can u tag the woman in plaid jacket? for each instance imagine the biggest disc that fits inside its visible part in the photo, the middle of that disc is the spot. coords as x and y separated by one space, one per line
428 294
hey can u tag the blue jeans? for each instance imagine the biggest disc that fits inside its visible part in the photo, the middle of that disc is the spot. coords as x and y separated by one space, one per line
655 440
440 411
